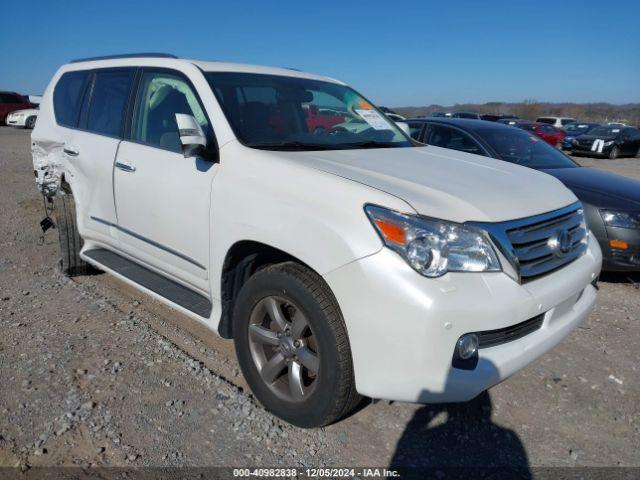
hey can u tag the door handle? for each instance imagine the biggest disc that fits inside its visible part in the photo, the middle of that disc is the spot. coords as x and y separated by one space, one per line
71 152
125 168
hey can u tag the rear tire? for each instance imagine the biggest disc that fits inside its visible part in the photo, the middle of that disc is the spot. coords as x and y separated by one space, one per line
70 240
275 359
613 154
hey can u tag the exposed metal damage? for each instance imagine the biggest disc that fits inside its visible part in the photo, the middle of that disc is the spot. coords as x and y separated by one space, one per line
47 166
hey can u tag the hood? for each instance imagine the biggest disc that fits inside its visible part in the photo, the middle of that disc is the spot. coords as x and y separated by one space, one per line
444 183
599 188
27 111
588 137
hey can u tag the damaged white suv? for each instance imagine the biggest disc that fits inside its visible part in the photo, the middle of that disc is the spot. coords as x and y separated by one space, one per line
282 209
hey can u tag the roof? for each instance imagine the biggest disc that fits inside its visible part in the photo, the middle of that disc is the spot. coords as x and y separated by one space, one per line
166 60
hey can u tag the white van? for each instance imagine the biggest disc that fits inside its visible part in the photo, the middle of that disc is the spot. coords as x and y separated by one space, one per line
343 261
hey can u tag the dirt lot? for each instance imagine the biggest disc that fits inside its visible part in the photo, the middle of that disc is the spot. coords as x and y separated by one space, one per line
94 373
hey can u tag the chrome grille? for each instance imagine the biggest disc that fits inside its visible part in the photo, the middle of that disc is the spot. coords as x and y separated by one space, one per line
538 245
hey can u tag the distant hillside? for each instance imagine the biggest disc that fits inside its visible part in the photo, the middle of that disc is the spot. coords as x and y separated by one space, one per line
530 109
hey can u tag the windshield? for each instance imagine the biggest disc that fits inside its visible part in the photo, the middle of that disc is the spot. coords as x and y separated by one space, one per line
287 113
578 128
605 131
525 149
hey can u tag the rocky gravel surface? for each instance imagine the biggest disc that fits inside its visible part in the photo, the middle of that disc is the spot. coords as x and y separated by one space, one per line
93 373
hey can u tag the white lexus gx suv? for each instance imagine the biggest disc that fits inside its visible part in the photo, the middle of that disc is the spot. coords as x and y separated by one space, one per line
285 211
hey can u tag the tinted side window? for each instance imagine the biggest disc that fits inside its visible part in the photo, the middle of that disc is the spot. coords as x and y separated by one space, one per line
67 97
449 138
160 97
414 130
108 101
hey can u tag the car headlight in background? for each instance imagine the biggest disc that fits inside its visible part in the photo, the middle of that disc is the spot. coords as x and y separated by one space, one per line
434 247
613 218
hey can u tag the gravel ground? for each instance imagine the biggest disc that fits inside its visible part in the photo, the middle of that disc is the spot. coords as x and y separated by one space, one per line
93 373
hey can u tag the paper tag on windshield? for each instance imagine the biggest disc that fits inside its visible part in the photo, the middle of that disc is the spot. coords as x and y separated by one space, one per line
374 119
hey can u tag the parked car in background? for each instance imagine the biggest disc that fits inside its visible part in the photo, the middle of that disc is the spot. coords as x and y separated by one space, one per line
495 117
574 130
320 120
550 134
608 141
23 118
10 102
395 117
611 202
558 122
35 99
344 264
441 114
469 115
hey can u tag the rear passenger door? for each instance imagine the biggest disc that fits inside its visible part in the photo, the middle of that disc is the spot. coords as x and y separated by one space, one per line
91 137
162 198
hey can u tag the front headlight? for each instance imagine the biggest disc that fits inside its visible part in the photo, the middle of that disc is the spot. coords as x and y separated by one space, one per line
618 219
434 247
608 144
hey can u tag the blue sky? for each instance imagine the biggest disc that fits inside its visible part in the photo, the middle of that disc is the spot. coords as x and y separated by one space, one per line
396 53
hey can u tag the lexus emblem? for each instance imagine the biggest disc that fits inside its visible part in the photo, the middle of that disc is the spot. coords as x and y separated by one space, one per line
561 243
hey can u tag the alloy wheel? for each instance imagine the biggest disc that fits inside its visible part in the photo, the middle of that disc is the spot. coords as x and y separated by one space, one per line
283 348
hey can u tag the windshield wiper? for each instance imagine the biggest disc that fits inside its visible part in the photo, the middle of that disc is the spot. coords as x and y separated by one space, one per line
294 145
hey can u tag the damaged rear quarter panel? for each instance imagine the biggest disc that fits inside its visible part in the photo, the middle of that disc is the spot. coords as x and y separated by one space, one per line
48 165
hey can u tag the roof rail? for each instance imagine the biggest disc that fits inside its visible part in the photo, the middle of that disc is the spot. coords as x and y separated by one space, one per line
125 55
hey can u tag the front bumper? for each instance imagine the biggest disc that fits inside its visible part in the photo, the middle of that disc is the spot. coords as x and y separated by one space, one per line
579 150
15 121
619 259
403 327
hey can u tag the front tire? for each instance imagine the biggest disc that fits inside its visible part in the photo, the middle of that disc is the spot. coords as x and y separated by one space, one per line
69 239
30 123
292 346
613 154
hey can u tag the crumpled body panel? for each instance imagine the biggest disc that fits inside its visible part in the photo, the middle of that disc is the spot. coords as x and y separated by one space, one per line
47 164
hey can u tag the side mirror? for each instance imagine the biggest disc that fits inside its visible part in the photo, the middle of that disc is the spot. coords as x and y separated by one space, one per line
404 127
192 138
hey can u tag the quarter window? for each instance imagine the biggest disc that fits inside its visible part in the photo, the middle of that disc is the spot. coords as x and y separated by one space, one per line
108 101
67 97
161 96
414 130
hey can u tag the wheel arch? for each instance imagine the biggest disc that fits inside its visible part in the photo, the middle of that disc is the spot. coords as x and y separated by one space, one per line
242 260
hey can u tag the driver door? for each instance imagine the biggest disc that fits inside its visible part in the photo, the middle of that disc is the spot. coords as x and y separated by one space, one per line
163 199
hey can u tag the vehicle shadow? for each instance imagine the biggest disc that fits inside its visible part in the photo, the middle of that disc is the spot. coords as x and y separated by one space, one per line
632 278
459 440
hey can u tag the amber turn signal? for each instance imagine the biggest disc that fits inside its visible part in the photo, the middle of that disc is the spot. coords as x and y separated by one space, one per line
621 244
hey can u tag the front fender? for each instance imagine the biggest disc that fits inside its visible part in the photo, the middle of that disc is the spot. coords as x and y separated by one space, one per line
312 215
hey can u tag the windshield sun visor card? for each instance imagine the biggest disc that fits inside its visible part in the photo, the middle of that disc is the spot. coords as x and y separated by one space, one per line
373 118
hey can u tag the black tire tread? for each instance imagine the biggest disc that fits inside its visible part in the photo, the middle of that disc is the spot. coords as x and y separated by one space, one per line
346 396
68 237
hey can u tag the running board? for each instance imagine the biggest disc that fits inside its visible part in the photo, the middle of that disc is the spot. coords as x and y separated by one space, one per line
172 291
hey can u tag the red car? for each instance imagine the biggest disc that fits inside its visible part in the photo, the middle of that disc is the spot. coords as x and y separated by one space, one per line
10 102
550 134
322 119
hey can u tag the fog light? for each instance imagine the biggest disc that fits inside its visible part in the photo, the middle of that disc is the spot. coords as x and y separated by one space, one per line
467 346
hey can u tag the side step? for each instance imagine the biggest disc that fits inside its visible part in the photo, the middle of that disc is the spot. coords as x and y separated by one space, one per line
172 291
